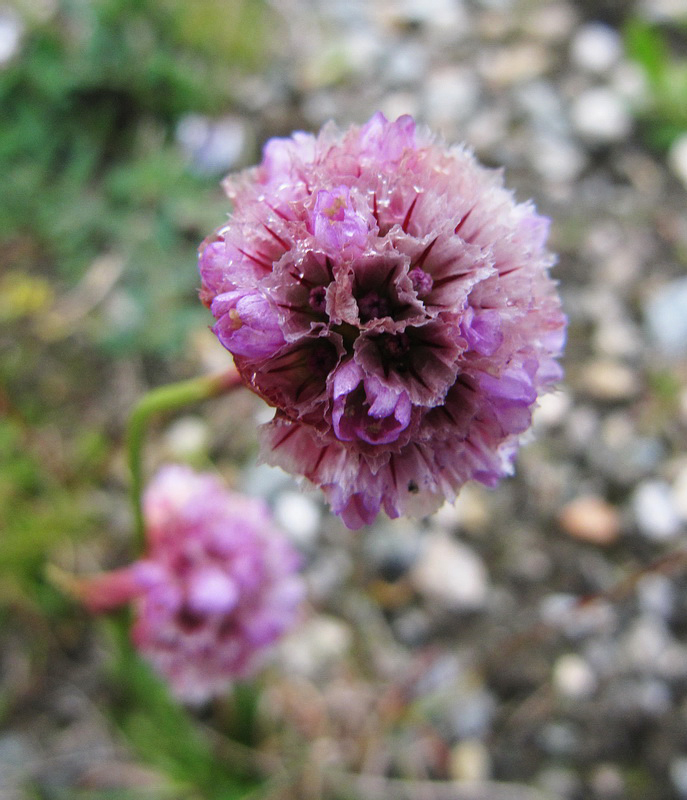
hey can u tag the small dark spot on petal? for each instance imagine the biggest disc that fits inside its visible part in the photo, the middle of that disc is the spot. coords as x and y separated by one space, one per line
317 299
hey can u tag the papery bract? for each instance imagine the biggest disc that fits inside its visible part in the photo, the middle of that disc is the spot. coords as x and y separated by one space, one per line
390 298
217 585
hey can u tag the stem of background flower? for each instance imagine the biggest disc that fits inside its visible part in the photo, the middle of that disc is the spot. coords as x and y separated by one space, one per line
167 398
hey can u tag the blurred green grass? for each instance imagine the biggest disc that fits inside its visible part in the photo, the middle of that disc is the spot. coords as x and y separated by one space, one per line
89 160
660 52
99 201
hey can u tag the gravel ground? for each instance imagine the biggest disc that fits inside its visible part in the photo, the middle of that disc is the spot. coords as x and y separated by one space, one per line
528 642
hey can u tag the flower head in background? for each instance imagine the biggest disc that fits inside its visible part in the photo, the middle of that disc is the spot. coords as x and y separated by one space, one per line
217 585
388 296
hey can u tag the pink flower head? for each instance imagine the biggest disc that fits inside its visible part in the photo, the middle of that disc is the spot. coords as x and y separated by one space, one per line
217 585
393 302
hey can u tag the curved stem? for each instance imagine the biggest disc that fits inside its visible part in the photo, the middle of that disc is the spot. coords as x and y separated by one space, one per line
167 398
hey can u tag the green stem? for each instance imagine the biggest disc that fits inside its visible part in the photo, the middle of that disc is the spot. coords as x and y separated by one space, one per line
166 398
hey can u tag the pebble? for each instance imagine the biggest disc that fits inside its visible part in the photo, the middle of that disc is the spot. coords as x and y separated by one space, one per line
300 516
629 81
621 454
451 95
11 33
600 115
324 66
552 22
316 644
604 656
559 738
395 104
617 338
561 611
318 107
470 761
16 753
591 519
327 572
487 128
656 595
559 783
443 671
609 380
472 714
469 512
596 47
666 11
581 427
187 437
362 49
392 549
573 678
665 315
412 627
654 510
262 480
650 696
212 146
607 782
531 564
552 409
645 642
406 64
557 158
506 66
450 574
543 105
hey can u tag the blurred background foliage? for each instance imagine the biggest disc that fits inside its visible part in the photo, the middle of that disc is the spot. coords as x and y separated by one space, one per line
661 51
90 163
101 214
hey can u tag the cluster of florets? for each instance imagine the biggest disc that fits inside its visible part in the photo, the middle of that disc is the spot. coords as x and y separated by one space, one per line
217 585
389 298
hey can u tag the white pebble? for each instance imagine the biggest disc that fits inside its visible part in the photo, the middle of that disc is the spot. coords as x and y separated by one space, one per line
654 510
470 761
299 516
596 47
552 410
557 159
11 32
394 104
656 595
573 677
451 94
212 146
187 437
451 574
677 158
319 642
662 10
600 115
665 313
646 642
407 63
